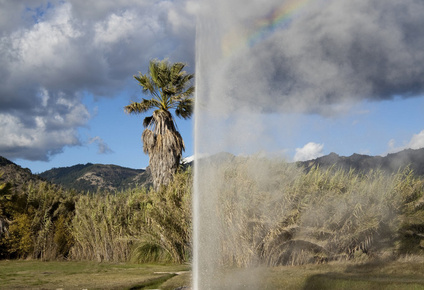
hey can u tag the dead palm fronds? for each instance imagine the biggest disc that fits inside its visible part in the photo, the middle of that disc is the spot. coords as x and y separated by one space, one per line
170 89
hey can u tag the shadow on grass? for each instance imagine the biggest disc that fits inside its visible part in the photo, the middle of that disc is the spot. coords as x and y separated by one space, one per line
342 281
152 283
365 276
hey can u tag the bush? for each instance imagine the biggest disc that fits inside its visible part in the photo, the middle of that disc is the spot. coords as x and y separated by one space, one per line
33 214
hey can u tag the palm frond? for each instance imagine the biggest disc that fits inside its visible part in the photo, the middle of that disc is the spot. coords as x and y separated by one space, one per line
184 108
154 71
170 88
146 83
147 121
141 107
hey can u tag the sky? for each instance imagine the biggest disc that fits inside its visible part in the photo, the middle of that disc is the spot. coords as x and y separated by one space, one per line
67 71
299 79
304 78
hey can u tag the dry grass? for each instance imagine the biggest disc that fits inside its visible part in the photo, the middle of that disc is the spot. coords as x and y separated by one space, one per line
272 213
405 273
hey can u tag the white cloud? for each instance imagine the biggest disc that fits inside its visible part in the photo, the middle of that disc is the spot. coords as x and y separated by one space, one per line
416 142
115 28
103 148
36 142
44 44
309 151
53 52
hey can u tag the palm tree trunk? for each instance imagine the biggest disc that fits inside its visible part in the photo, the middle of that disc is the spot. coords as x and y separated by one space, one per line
164 146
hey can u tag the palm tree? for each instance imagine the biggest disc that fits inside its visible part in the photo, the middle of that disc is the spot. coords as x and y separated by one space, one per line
170 89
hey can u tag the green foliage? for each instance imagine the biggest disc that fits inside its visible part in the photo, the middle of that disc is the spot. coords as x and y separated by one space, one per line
150 253
34 214
101 225
168 217
5 196
135 224
169 86
19 241
62 237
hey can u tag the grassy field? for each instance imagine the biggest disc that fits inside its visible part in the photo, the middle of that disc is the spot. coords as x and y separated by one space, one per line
401 274
84 275
388 275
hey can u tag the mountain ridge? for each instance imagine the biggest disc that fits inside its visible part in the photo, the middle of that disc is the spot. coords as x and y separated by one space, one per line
16 175
91 177
391 163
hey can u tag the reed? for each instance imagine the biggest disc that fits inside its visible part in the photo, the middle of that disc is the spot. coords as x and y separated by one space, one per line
274 213
137 225
270 213
101 226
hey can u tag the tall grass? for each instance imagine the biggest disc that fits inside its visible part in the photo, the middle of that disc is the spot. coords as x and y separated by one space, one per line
167 223
101 225
135 225
274 213
270 213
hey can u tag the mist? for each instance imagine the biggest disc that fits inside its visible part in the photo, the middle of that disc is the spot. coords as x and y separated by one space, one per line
260 67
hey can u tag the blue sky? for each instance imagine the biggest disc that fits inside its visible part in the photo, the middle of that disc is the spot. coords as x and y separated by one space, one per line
119 132
66 72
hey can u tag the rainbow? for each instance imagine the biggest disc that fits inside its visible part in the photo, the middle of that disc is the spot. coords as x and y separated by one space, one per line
263 28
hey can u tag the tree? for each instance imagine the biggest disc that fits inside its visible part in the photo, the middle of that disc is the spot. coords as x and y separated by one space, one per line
170 88
5 196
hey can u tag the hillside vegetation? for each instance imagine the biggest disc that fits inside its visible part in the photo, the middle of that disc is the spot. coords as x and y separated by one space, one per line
98 177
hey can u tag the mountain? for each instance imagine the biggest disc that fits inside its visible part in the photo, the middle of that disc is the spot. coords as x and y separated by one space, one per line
363 163
93 177
15 174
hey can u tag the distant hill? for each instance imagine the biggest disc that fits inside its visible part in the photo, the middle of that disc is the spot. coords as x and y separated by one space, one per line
93 177
15 174
363 163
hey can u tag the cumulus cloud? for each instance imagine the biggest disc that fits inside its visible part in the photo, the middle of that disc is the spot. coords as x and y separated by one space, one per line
308 152
320 57
40 136
416 142
54 52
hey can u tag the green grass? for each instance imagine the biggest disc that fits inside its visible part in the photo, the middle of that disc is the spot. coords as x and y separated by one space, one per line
83 275
340 275
401 274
